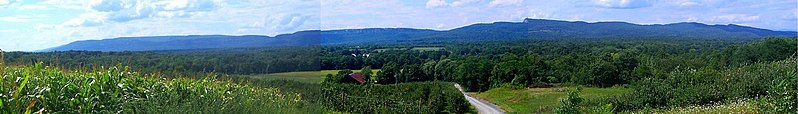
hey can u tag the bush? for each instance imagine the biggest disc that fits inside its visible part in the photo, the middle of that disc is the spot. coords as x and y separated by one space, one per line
782 97
570 105
605 109
688 87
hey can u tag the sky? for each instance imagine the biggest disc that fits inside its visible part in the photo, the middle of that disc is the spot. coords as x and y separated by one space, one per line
28 25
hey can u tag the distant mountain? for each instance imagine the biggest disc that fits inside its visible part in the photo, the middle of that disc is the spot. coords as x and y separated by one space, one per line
529 28
191 42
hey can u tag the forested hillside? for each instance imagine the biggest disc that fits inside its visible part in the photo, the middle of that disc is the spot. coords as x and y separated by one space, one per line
527 29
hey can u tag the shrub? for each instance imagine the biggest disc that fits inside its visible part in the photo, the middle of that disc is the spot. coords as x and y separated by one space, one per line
687 87
782 97
570 105
604 109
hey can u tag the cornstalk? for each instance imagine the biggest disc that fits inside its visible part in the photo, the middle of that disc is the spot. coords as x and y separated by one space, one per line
2 64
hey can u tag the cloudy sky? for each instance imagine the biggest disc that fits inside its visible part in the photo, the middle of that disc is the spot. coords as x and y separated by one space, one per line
27 25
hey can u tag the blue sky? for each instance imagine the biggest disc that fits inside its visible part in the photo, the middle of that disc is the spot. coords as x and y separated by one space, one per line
27 25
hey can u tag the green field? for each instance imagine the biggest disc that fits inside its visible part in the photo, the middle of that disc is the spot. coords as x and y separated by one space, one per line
301 76
44 89
540 100
413 48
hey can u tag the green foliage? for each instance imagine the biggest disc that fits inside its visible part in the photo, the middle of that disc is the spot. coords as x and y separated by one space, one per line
116 90
521 71
341 75
651 92
479 66
416 97
186 63
706 86
367 74
606 109
388 73
570 105
474 75
329 78
736 106
413 73
782 96
765 50
311 93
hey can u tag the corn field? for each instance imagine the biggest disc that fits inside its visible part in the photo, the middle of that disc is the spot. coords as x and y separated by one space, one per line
43 89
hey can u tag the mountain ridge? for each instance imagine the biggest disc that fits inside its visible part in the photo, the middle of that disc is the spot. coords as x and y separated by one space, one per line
527 29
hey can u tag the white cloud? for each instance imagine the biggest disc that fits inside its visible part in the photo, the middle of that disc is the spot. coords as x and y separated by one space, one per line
128 10
443 3
457 3
87 20
176 5
4 2
688 3
23 18
190 17
734 18
495 3
8 30
280 22
538 14
441 25
436 3
32 7
623 4
66 4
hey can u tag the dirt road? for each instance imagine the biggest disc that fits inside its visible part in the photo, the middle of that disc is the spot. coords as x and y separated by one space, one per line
482 107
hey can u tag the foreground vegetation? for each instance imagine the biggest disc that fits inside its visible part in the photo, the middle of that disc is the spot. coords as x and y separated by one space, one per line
541 100
418 97
742 106
771 86
427 97
45 89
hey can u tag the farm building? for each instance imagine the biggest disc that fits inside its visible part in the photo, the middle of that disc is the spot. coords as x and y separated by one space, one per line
354 78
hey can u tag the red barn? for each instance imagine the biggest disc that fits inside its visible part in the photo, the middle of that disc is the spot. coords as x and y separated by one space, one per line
355 78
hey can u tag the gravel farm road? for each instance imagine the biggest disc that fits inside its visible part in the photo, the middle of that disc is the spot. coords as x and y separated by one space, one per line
482 107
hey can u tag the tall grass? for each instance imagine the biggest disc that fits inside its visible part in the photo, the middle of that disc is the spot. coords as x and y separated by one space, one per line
44 89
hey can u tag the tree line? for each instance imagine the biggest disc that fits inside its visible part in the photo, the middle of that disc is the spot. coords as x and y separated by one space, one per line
480 66
186 62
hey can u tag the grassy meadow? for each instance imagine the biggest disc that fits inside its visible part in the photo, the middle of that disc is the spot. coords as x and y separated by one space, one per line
540 100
